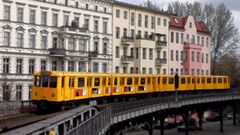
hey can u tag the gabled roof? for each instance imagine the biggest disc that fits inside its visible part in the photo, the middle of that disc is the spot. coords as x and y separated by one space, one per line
176 22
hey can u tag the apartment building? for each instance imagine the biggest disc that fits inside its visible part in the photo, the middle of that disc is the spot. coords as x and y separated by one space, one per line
66 35
140 39
189 46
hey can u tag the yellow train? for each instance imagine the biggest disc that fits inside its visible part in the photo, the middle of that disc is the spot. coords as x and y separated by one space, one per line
56 88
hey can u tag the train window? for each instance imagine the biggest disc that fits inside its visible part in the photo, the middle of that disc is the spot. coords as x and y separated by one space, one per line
109 81
45 81
225 80
63 81
214 80
171 80
188 80
219 80
53 82
203 80
121 81
89 82
136 80
209 80
104 81
159 80
164 81
149 80
142 80
71 82
115 81
97 82
193 80
37 81
198 80
81 82
129 81
183 80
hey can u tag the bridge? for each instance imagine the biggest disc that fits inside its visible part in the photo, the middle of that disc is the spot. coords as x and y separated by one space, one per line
117 116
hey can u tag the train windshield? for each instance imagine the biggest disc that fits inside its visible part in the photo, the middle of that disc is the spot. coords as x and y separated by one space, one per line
37 81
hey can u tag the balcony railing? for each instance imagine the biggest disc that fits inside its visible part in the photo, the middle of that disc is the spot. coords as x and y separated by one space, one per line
73 29
57 52
93 54
126 59
160 44
127 40
160 62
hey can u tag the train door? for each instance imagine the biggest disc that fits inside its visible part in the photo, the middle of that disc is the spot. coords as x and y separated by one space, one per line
108 90
164 84
71 87
149 84
170 84
62 93
97 89
128 85
80 91
142 88
214 83
203 83
116 90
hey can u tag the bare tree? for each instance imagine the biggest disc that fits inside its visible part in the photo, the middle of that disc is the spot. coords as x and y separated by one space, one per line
7 90
151 5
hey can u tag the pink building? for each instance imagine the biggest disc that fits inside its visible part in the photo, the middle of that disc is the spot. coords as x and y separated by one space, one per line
189 46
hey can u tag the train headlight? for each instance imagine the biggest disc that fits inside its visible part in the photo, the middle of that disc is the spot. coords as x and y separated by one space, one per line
53 94
84 92
36 93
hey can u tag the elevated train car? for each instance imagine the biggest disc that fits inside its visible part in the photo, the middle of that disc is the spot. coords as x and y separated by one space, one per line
58 88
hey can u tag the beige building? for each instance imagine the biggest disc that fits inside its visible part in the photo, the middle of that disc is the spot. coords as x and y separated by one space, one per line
140 38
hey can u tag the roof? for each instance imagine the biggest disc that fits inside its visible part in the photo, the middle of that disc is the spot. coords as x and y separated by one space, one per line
141 8
176 22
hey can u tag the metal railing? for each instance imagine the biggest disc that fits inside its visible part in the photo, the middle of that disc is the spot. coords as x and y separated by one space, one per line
159 61
127 40
15 107
160 44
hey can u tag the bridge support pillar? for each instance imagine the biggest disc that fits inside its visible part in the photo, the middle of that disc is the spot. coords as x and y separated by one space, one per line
200 116
221 119
234 114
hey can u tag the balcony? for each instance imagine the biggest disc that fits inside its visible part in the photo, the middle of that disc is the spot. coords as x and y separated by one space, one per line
160 62
93 54
126 59
127 40
161 44
57 52
73 29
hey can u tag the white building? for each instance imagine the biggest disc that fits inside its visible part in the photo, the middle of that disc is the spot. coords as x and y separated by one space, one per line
68 35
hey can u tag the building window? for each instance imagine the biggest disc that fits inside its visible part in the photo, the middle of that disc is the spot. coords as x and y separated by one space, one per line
6 63
55 40
31 66
43 64
104 67
136 53
202 72
104 48
19 14
124 69
19 92
82 45
7 14
132 33
150 54
95 67
171 71
125 51
190 24
124 32
139 20
44 18
158 71
164 55
172 55
206 72
188 38
164 71
193 57
177 37
65 20
19 66
150 71
43 42
153 23
146 21
198 72
6 92
96 8
76 20
202 57
30 91
117 52
87 6
165 22
95 25
131 70
125 14
95 49
32 41
172 37
132 52
146 35
86 23
117 32
202 41
105 10
207 42
54 65
159 21
105 27
193 39
71 44
82 66
32 16
206 58
144 53
70 65
55 20
117 69
181 56
198 40
19 39
182 37
177 56
117 13
198 56
132 19
6 38
158 54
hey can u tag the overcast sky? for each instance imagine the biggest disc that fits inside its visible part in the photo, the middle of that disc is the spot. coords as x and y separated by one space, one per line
233 5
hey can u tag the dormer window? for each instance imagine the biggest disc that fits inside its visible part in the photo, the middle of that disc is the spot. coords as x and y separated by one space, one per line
190 24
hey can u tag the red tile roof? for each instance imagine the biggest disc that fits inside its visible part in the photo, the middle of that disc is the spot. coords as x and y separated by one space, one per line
180 23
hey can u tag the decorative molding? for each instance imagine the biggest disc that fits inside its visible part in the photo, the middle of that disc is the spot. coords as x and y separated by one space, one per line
66 12
44 31
96 16
45 8
75 13
57 10
105 39
33 6
104 18
87 15
96 37
8 27
55 33
7 1
20 3
32 30
20 28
